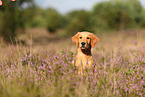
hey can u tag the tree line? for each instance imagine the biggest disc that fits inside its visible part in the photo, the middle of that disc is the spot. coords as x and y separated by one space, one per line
104 16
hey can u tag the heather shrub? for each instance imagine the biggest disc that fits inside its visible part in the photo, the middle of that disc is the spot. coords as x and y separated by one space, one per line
51 73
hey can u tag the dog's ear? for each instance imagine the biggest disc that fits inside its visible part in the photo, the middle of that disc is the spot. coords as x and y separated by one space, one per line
94 40
75 39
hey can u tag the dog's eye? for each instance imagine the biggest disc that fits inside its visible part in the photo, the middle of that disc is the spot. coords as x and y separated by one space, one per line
88 38
80 37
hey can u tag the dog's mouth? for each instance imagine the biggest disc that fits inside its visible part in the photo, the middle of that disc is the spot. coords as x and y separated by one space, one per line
84 47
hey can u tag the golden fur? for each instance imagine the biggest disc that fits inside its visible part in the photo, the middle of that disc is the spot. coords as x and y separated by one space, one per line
84 41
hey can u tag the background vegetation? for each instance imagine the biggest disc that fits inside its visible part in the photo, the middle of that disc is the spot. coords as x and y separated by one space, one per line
110 15
42 66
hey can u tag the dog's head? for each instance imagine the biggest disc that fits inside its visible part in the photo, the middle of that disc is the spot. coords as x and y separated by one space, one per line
85 39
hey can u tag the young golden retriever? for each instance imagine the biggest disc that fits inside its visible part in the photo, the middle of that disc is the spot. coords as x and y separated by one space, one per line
84 41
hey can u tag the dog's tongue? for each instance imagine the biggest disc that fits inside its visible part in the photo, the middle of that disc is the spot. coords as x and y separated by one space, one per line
82 47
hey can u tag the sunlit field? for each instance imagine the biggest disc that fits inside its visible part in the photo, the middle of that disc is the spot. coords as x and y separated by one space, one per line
43 68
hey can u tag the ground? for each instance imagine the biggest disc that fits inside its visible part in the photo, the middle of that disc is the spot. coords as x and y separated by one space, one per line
43 66
39 37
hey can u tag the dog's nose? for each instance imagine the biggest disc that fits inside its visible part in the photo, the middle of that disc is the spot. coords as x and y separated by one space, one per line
83 43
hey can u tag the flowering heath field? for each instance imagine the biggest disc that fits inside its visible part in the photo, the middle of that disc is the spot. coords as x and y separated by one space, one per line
49 72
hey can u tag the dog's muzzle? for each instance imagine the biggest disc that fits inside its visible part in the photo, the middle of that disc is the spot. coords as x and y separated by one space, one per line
83 45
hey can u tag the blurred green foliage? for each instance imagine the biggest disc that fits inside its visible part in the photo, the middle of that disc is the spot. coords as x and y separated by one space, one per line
9 22
12 18
105 16
109 15
77 21
53 20
118 14
39 20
